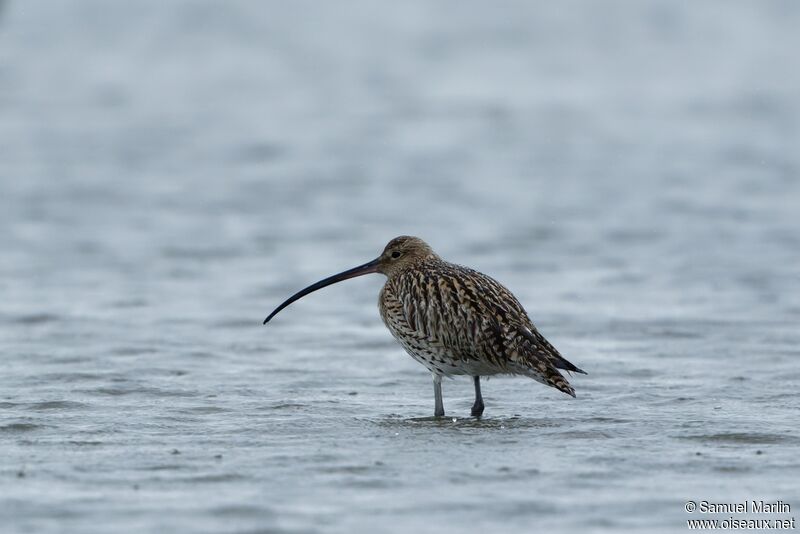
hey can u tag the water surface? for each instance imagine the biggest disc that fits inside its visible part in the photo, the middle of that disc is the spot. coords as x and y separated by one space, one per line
170 172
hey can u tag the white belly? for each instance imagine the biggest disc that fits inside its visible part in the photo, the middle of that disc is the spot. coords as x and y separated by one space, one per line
443 362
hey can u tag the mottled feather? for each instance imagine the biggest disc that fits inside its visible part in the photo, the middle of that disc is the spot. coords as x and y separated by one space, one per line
455 320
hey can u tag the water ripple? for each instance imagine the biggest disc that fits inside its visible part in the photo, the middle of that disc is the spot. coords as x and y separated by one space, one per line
18 428
743 438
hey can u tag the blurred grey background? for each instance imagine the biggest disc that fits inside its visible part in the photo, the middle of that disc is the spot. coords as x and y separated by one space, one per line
170 171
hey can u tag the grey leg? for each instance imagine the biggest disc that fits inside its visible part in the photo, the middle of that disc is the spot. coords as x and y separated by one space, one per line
477 408
437 395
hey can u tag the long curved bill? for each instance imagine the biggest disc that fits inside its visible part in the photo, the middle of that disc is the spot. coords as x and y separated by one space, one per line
367 268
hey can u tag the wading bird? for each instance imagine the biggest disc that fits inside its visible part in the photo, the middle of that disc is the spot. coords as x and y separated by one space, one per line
454 320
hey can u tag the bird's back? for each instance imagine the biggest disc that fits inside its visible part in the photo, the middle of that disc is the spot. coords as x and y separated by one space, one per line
455 320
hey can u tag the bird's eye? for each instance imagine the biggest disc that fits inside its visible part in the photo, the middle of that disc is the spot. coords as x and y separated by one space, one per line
395 254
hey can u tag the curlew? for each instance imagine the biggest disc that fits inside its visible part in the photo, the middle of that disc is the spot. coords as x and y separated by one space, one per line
454 320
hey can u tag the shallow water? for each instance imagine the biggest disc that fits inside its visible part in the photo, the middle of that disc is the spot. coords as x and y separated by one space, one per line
170 173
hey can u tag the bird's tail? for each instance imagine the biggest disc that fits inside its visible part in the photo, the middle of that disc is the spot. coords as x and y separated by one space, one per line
539 347
547 374
556 380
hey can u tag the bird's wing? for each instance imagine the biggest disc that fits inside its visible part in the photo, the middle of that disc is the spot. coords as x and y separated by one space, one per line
508 311
475 318
538 343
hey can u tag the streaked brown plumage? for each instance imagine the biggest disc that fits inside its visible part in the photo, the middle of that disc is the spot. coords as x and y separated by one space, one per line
454 320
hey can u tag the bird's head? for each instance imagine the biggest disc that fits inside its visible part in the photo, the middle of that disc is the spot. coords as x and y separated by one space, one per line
400 254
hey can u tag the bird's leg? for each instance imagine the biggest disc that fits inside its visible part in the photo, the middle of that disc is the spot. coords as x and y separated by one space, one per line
477 408
437 395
